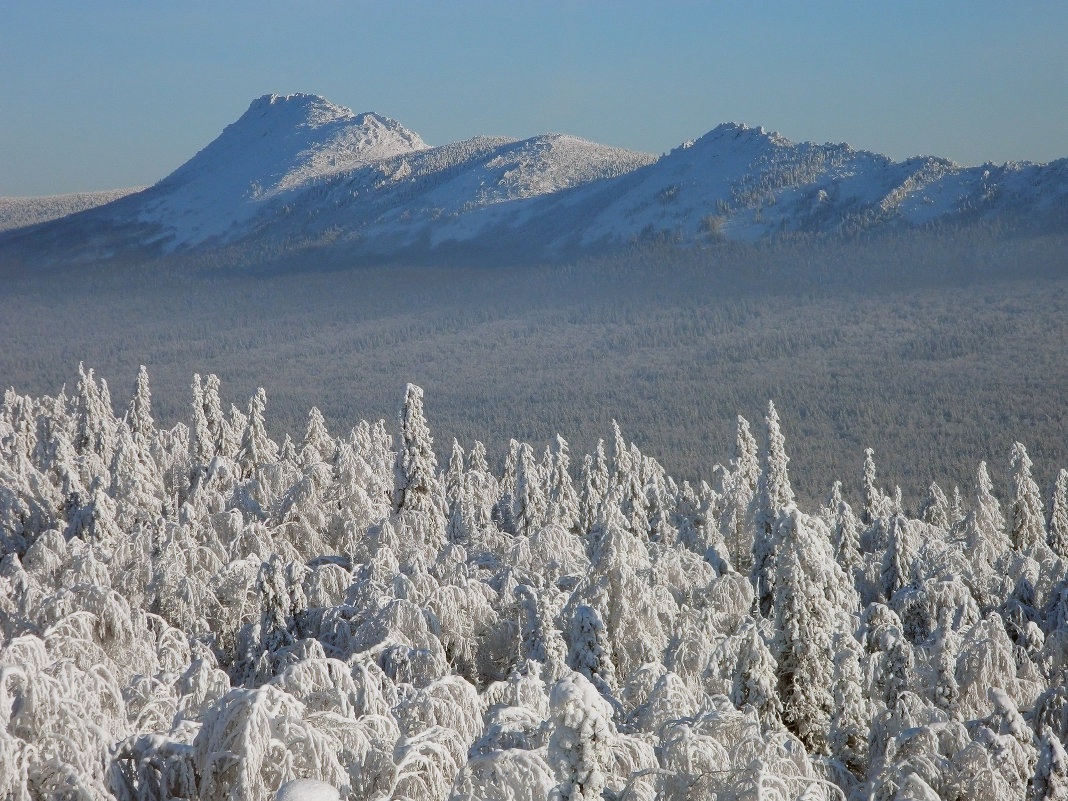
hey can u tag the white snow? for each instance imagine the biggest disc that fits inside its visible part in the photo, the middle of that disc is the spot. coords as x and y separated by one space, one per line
299 167
19 212
281 144
307 790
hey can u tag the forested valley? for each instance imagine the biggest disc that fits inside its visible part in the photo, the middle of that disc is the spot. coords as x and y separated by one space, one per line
937 348
207 610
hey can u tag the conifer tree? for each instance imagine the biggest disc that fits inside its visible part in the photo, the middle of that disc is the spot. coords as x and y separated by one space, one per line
851 719
581 744
901 552
563 500
1058 516
482 491
201 442
95 424
635 505
416 486
595 480
588 499
935 508
318 445
140 414
511 464
218 426
946 647
754 681
774 495
1027 530
1050 782
742 485
804 618
845 532
528 509
875 501
590 650
257 449
984 537
454 475
619 465
540 641
661 508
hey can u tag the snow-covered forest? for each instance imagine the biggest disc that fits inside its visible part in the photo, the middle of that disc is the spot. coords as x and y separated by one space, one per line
203 612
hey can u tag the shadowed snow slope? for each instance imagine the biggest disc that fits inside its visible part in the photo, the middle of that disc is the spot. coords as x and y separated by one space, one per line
19 212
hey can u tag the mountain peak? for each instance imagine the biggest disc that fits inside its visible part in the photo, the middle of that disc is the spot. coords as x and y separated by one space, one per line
300 108
281 143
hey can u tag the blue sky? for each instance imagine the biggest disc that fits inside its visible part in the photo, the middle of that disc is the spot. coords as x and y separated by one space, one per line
108 94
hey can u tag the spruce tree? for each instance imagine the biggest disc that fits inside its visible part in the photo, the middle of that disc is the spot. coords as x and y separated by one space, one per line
755 679
1050 782
416 486
743 478
257 449
875 501
1027 530
201 441
804 618
454 474
563 500
935 509
318 445
773 496
845 533
1058 515
528 507
985 540
218 426
139 416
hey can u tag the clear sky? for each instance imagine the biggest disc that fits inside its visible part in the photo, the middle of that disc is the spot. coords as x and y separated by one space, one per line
95 95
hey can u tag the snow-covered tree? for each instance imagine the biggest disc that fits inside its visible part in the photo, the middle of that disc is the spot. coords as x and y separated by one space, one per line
773 495
580 749
755 679
804 619
1026 530
139 416
529 502
1058 516
416 485
257 449
563 500
876 504
935 507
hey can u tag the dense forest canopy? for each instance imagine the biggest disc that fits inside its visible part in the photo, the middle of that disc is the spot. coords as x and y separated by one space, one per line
935 348
203 610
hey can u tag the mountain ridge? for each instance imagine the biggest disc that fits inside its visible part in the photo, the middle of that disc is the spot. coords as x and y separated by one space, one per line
300 169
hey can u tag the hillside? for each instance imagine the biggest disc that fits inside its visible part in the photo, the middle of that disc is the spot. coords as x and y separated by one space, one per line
299 172
21 212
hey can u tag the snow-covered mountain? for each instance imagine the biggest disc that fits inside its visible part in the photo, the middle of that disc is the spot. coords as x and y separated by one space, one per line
298 170
278 148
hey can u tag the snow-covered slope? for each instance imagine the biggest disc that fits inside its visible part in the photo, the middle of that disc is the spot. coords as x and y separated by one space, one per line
298 170
281 145
744 183
20 212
